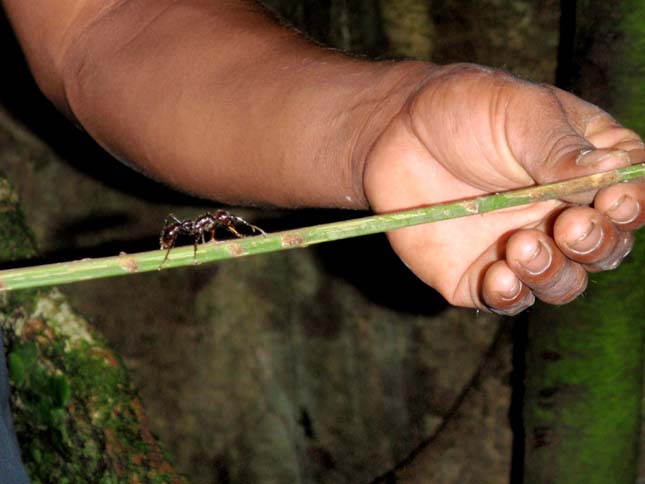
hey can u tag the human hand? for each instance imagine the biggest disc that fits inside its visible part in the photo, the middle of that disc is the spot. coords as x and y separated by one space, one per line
470 130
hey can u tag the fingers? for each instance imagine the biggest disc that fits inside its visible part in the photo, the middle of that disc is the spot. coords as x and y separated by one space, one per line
541 269
570 138
503 292
623 204
604 132
597 126
555 269
590 238
576 138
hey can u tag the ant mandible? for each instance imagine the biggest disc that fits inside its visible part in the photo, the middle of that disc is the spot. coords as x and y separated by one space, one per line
198 227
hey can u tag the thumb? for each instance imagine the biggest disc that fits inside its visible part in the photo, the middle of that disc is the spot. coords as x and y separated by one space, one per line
580 162
556 148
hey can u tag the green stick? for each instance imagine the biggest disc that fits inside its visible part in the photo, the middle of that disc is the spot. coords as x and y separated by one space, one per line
86 269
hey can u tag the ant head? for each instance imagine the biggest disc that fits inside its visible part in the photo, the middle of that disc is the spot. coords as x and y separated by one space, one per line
169 235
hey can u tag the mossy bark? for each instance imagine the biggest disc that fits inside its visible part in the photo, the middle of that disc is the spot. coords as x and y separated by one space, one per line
77 416
583 397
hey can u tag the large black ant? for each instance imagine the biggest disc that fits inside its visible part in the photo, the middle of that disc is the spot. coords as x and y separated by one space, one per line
198 227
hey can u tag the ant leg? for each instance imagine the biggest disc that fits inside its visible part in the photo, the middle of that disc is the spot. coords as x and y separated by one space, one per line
195 248
234 231
255 228
212 234
164 259
171 244
171 219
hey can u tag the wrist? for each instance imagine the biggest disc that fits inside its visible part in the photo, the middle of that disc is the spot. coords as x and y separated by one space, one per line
343 106
381 102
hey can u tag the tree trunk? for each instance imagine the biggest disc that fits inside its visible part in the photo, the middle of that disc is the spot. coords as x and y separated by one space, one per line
584 360
77 416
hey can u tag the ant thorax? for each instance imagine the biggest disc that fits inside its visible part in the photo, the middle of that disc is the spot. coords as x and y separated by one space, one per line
198 228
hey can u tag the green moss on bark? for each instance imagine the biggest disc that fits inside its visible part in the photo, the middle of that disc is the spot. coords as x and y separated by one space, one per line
77 416
584 387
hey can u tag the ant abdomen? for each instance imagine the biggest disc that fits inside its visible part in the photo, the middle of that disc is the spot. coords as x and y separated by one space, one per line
198 228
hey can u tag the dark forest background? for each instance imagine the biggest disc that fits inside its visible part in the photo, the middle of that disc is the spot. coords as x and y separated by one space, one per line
326 365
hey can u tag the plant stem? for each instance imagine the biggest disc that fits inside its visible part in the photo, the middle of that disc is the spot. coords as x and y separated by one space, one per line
86 269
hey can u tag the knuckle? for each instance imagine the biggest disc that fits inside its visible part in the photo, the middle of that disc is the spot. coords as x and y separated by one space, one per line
564 287
622 249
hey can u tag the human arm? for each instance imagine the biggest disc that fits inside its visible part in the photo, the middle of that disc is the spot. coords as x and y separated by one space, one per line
219 100
213 97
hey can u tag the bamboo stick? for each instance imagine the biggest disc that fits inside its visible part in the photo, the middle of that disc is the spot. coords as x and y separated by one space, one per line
123 264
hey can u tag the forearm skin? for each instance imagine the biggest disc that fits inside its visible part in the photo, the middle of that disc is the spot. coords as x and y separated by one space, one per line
218 99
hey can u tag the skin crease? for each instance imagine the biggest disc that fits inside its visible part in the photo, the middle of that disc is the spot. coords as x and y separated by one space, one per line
217 99
482 141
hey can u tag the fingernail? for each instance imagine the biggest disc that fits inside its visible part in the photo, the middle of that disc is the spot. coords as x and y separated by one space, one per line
539 261
527 301
625 210
596 157
587 242
513 291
